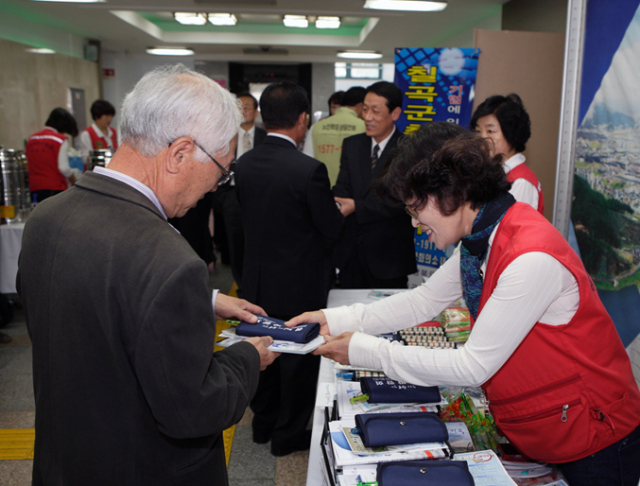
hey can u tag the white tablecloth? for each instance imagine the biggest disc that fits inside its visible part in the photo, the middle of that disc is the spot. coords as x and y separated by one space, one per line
10 244
337 297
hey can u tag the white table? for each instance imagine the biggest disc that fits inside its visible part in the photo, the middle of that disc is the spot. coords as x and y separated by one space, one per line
10 244
337 297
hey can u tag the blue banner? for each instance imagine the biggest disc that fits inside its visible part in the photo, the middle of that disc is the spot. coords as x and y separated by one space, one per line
438 85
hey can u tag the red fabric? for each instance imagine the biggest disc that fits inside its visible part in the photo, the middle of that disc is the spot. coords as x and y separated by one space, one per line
582 364
99 142
522 171
42 151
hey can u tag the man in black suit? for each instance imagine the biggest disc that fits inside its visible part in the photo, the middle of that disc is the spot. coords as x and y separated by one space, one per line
289 218
377 248
226 205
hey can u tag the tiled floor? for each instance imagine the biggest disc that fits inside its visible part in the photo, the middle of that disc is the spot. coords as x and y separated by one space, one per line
249 464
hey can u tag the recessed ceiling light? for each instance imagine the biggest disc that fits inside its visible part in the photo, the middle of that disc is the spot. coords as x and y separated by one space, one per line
296 21
327 22
40 50
360 55
222 19
410 5
190 18
170 51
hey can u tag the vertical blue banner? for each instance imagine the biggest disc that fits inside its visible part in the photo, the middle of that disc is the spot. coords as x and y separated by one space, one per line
438 85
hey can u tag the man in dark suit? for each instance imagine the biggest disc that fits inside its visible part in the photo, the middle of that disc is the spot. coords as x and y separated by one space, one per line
290 219
127 388
226 205
377 248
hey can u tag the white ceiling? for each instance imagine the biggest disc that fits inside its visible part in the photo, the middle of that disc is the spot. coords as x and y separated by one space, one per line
130 26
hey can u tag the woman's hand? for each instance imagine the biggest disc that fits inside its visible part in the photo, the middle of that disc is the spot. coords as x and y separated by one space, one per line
336 348
314 316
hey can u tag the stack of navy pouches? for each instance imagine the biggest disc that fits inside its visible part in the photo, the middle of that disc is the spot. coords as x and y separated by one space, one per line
268 326
383 429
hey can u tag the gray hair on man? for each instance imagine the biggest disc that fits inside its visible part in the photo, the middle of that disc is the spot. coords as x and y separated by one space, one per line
170 102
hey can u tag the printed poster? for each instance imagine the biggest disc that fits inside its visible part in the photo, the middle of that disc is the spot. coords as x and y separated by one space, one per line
438 85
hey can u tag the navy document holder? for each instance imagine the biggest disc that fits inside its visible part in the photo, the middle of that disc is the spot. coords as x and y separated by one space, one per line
386 390
268 326
384 429
424 473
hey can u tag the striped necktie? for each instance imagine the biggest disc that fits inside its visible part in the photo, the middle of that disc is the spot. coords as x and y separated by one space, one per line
374 157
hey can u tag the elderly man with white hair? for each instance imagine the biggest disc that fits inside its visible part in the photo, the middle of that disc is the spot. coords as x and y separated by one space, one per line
127 388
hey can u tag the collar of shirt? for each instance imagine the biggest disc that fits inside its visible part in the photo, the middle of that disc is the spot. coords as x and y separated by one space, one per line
280 135
136 184
513 162
100 133
384 143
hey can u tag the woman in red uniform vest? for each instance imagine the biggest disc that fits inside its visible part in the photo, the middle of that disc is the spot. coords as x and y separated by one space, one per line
100 135
504 121
556 375
47 155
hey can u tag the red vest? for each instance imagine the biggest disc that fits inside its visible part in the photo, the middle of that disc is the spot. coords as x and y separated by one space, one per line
567 391
99 142
42 151
523 172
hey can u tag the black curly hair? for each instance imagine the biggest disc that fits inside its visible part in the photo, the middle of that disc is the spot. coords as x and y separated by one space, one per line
513 118
443 161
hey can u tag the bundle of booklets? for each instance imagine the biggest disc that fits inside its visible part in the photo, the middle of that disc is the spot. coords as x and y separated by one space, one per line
381 431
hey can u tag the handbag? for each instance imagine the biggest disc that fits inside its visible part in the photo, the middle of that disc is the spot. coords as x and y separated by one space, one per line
424 473
268 326
386 390
383 429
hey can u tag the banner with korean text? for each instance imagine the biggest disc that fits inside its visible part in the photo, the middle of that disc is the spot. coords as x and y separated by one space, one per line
438 84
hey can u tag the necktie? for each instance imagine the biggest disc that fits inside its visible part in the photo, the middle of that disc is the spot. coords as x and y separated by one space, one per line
246 142
374 157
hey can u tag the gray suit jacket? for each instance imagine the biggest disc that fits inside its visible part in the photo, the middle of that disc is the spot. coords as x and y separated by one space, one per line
127 389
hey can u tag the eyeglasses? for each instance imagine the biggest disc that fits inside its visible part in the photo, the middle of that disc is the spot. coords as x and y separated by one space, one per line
226 174
412 209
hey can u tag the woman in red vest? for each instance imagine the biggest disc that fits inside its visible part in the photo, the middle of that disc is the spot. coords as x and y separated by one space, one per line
100 135
47 155
504 121
543 348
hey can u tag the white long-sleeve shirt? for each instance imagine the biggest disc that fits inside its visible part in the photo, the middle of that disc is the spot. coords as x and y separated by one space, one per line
534 287
521 189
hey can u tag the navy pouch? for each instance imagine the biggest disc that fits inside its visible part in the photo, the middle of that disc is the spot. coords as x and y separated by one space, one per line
385 390
268 326
424 473
383 429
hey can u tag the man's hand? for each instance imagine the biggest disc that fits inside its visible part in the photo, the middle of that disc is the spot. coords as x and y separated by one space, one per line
315 316
336 348
229 307
262 343
347 206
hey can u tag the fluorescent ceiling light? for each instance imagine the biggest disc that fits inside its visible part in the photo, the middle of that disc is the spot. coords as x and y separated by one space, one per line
41 50
190 18
360 55
222 19
170 51
296 21
410 5
327 22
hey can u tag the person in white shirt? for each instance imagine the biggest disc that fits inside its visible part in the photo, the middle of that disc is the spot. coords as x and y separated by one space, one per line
542 346
505 123
100 135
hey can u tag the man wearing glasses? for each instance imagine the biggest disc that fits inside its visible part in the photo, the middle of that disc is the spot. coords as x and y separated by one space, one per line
289 219
127 388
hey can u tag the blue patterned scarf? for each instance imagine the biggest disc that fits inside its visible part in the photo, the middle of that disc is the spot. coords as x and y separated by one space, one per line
474 248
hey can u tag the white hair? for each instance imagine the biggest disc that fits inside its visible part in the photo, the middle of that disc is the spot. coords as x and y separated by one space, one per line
170 102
